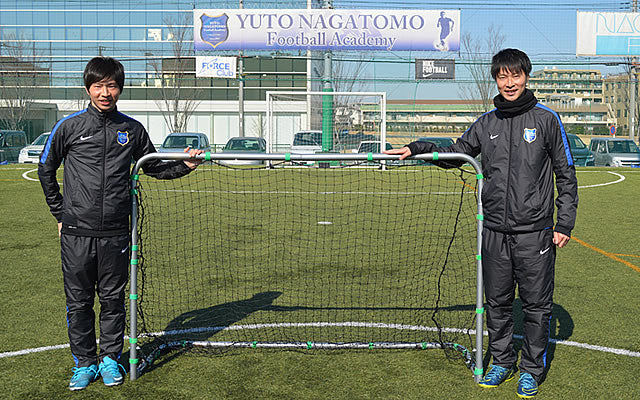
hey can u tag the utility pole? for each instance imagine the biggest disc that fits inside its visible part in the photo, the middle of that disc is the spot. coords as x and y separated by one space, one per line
241 87
633 90
327 100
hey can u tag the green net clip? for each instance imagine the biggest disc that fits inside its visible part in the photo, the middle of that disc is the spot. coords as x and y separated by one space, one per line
287 156
133 297
133 361
134 261
480 310
133 340
309 345
135 177
254 344
184 343
478 257
480 217
135 247
370 345
435 156
134 191
370 156
478 371
423 345
479 176
207 156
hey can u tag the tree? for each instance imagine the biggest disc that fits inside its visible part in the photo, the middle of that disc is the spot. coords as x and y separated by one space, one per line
478 53
19 77
175 78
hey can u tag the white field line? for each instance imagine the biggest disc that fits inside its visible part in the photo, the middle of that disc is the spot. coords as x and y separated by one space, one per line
586 346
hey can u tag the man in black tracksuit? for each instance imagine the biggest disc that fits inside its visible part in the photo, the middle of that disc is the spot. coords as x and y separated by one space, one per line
523 144
97 146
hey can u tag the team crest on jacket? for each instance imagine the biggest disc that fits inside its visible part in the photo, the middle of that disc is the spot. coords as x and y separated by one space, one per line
123 137
529 135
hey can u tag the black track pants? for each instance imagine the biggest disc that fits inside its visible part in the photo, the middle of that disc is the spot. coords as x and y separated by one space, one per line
90 264
526 260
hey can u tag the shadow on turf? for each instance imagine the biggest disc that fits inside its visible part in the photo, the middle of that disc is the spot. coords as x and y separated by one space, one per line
221 315
561 328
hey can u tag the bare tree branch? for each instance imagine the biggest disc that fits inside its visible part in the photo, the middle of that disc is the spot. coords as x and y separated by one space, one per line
478 55
175 80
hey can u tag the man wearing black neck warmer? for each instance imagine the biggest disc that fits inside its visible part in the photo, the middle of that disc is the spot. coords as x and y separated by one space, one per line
523 145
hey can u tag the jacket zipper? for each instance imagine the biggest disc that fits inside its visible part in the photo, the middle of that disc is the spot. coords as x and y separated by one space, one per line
508 188
104 151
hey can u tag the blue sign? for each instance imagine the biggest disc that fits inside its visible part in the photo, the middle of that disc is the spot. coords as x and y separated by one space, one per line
214 29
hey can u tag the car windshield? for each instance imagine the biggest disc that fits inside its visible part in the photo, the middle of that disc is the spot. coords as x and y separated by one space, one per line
576 143
622 146
243 145
308 139
41 140
180 142
440 142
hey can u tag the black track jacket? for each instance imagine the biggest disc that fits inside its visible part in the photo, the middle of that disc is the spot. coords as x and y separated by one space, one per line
97 149
520 154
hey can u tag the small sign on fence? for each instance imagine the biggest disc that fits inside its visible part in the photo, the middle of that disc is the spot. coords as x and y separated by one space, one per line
435 69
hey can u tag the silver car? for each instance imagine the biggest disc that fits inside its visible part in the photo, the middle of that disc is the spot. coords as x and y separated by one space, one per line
613 152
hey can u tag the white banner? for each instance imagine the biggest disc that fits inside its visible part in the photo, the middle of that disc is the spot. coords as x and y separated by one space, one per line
608 34
216 67
326 29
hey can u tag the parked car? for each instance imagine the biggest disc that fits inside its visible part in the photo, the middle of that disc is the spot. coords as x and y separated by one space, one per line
307 142
613 152
582 156
438 141
178 141
11 142
31 153
244 145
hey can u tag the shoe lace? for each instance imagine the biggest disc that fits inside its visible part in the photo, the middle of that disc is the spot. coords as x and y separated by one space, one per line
526 381
112 368
496 372
77 371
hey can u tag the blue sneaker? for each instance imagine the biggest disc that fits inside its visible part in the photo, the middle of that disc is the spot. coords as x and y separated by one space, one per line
83 376
527 386
496 376
110 371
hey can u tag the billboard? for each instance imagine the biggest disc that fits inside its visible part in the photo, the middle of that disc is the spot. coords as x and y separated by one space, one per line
326 29
608 34
435 69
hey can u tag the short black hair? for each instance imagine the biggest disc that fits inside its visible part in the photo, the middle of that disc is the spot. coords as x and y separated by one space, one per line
513 60
99 68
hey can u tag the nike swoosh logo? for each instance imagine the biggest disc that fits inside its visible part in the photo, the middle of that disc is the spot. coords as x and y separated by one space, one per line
544 251
126 248
83 138
493 136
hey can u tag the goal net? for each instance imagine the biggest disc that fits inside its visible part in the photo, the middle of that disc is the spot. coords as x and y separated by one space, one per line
297 256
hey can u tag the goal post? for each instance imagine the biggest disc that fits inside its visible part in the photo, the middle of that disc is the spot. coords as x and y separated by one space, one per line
350 115
297 256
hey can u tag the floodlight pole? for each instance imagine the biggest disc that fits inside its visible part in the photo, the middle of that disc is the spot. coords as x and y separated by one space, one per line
633 89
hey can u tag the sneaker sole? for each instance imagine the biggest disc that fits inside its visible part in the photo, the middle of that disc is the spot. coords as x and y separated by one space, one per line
525 396
113 384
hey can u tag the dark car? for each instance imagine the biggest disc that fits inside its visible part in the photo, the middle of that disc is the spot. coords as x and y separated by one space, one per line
582 156
11 142
438 141
245 145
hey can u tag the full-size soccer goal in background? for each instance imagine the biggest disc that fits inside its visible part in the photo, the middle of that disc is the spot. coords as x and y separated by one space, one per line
305 257
344 118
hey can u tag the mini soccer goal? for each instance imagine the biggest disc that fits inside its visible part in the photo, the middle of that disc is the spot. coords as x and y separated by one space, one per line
290 255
